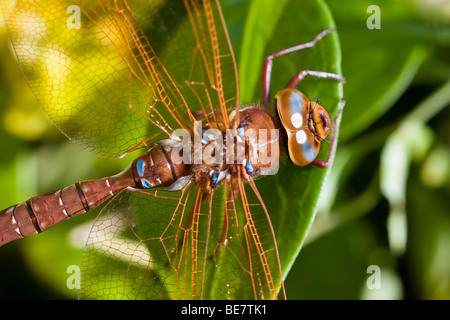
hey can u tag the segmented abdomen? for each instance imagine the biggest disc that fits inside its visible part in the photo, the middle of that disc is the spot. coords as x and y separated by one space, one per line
41 212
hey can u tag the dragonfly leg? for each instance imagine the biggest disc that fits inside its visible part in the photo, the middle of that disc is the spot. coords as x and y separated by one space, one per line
324 163
268 62
319 74
234 191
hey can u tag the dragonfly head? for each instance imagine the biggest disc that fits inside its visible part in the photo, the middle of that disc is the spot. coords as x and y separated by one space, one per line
306 123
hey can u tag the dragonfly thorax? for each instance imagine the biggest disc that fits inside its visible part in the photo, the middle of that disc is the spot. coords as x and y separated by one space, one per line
208 156
249 149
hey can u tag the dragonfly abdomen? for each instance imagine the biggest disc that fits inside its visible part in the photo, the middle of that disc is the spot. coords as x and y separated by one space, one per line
41 212
151 169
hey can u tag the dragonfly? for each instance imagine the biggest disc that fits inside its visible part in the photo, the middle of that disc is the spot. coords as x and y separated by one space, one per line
185 219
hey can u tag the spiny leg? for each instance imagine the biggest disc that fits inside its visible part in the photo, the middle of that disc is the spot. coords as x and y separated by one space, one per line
319 74
234 191
268 62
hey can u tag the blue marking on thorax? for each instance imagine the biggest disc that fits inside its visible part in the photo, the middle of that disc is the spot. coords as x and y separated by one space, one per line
140 165
241 133
213 177
146 184
249 167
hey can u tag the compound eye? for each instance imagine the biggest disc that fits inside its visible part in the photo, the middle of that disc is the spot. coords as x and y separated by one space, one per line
292 107
306 124
303 147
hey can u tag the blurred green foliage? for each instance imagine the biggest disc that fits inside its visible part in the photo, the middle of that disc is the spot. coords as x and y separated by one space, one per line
385 202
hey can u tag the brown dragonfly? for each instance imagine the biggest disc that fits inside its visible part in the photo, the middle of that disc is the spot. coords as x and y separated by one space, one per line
186 214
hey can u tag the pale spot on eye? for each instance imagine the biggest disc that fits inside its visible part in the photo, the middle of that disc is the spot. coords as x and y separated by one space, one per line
296 120
301 137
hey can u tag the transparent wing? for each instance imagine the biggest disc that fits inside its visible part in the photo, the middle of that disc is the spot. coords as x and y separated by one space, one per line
185 245
260 252
199 56
111 85
132 247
